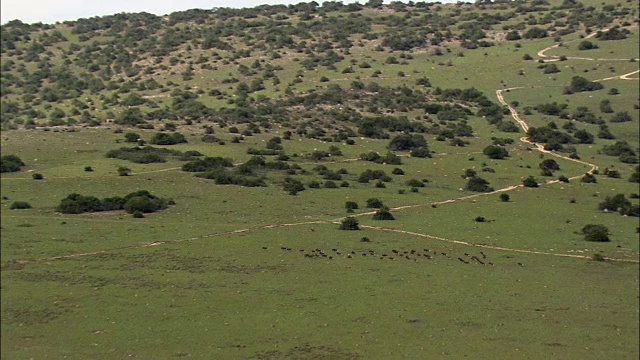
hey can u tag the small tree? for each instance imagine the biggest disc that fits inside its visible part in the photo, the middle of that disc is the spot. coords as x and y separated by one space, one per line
597 233
469 173
374 203
495 152
530 182
292 186
20 205
131 137
383 214
10 163
351 205
588 178
478 184
504 197
349 223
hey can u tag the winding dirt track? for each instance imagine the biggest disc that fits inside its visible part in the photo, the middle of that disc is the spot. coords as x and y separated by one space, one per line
514 115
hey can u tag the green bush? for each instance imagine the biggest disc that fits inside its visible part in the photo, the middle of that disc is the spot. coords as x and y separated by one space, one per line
596 233
349 223
478 184
20 205
374 203
10 163
530 182
383 214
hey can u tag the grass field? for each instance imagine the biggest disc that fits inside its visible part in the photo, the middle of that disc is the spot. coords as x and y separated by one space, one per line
232 272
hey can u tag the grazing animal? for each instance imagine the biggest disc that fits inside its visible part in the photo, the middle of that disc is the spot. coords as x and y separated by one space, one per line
520 264
264 248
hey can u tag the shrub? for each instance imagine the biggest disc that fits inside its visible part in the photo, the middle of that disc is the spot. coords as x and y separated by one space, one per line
495 152
292 186
20 205
580 84
635 176
549 164
530 182
597 233
397 171
142 204
168 139
131 137
406 142
365 239
351 205
88 168
621 117
349 223
469 173
478 184
480 219
588 178
10 163
37 176
421 152
563 178
383 214
374 203
587 45
504 197
415 183
330 184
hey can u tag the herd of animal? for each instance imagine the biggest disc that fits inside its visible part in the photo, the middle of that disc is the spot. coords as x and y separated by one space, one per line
393 254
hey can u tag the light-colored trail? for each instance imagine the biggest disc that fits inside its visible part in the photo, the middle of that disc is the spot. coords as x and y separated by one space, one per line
539 147
552 58
485 246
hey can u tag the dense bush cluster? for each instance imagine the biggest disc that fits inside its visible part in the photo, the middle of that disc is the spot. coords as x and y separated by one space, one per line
147 154
141 201
10 163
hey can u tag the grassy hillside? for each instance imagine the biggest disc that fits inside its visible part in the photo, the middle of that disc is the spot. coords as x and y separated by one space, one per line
256 128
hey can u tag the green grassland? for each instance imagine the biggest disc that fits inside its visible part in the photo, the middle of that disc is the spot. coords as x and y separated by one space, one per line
233 272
